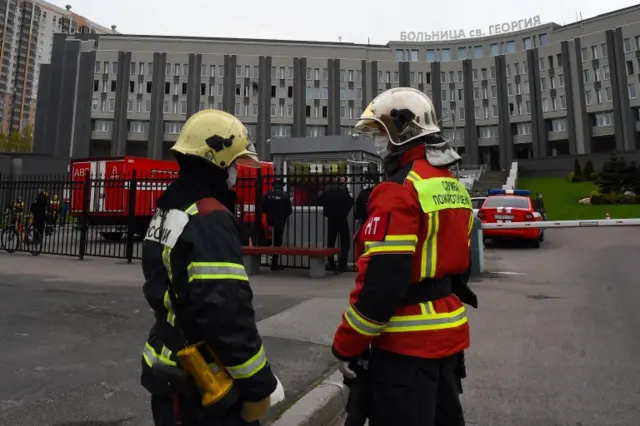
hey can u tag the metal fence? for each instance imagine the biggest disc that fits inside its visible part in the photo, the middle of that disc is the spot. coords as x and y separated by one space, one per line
108 216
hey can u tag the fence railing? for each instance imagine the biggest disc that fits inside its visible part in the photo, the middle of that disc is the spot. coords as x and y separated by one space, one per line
107 216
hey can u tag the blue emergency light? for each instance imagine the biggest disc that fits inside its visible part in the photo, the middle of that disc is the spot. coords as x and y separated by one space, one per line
518 192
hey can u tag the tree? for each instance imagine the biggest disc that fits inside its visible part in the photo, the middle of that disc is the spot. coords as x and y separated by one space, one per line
577 171
631 177
588 171
611 177
14 142
26 141
4 143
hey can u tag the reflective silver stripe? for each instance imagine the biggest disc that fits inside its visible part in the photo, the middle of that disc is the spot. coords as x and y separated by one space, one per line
397 243
211 271
249 368
424 322
361 326
152 358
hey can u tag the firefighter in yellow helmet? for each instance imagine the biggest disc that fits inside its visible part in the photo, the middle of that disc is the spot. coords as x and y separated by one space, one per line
204 362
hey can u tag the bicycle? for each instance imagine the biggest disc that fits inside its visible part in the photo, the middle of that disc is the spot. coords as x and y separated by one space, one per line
15 234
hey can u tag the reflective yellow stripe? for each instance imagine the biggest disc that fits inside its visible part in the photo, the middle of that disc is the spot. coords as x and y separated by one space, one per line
171 316
471 219
413 176
249 368
428 320
430 247
192 210
392 244
216 271
361 324
166 260
151 357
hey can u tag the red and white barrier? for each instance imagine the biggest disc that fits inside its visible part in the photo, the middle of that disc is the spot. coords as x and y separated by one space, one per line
563 224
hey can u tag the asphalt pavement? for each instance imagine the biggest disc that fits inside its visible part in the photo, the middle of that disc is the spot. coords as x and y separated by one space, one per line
555 340
72 332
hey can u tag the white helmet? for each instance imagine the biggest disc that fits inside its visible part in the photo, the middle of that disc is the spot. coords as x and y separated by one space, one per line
398 116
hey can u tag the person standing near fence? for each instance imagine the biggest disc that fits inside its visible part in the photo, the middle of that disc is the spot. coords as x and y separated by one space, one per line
39 209
276 204
337 202
406 306
205 328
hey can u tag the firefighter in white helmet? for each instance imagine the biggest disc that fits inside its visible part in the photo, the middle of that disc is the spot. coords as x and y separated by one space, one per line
407 304
198 288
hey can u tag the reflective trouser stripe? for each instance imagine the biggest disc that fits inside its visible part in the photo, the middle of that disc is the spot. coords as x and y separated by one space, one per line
428 320
250 367
430 247
216 271
151 357
392 244
360 324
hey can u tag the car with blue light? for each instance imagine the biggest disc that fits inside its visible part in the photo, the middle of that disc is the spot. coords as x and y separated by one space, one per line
511 206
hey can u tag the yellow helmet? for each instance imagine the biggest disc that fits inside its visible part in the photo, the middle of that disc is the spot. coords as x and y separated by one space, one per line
218 137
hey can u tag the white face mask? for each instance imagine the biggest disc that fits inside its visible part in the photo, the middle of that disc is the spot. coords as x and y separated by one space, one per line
381 143
232 177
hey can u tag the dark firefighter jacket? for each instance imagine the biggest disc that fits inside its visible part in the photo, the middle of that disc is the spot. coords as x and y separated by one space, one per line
277 206
336 201
413 244
193 240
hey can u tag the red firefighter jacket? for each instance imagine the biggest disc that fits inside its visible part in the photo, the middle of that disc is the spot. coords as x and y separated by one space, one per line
416 234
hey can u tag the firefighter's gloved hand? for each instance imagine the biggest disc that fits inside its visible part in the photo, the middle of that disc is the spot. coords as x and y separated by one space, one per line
252 411
346 371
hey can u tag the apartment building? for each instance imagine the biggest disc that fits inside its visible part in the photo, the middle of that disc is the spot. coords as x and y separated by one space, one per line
27 37
549 90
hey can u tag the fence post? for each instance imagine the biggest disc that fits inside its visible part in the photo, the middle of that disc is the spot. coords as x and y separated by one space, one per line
258 232
477 248
86 203
131 216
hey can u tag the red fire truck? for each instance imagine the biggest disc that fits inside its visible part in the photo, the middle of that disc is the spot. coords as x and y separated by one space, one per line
109 190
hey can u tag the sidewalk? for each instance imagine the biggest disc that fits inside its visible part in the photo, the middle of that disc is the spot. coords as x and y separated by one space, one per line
296 317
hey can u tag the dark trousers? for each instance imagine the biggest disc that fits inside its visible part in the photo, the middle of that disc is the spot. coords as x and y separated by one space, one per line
412 391
183 412
278 232
339 227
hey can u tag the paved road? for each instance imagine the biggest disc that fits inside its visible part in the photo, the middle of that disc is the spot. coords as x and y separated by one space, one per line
72 332
555 341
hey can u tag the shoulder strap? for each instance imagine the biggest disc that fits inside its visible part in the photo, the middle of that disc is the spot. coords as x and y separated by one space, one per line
199 208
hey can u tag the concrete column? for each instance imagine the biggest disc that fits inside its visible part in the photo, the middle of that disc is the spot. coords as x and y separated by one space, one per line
67 98
568 94
471 153
299 128
263 128
120 131
622 115
504 119
366 86
538 130
193 84
333 127
436 88
40 139
82 128
229 88
583 124
156 116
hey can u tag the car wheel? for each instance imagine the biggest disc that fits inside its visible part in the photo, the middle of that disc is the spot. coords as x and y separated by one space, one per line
541 236
535 243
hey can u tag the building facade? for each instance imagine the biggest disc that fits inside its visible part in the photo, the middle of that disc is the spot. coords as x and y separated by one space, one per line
27 39
545 91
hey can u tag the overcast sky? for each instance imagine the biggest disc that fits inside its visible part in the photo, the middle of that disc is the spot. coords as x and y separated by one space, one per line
324 20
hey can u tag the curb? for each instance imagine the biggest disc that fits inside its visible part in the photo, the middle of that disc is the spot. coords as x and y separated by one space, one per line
320 407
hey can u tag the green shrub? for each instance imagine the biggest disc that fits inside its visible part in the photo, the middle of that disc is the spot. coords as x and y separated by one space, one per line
577 171
615 199
588 172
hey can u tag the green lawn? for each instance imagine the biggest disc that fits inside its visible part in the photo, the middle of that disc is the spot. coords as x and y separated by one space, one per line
561 200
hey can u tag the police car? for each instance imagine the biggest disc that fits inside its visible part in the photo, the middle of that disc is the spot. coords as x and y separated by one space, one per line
507 206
